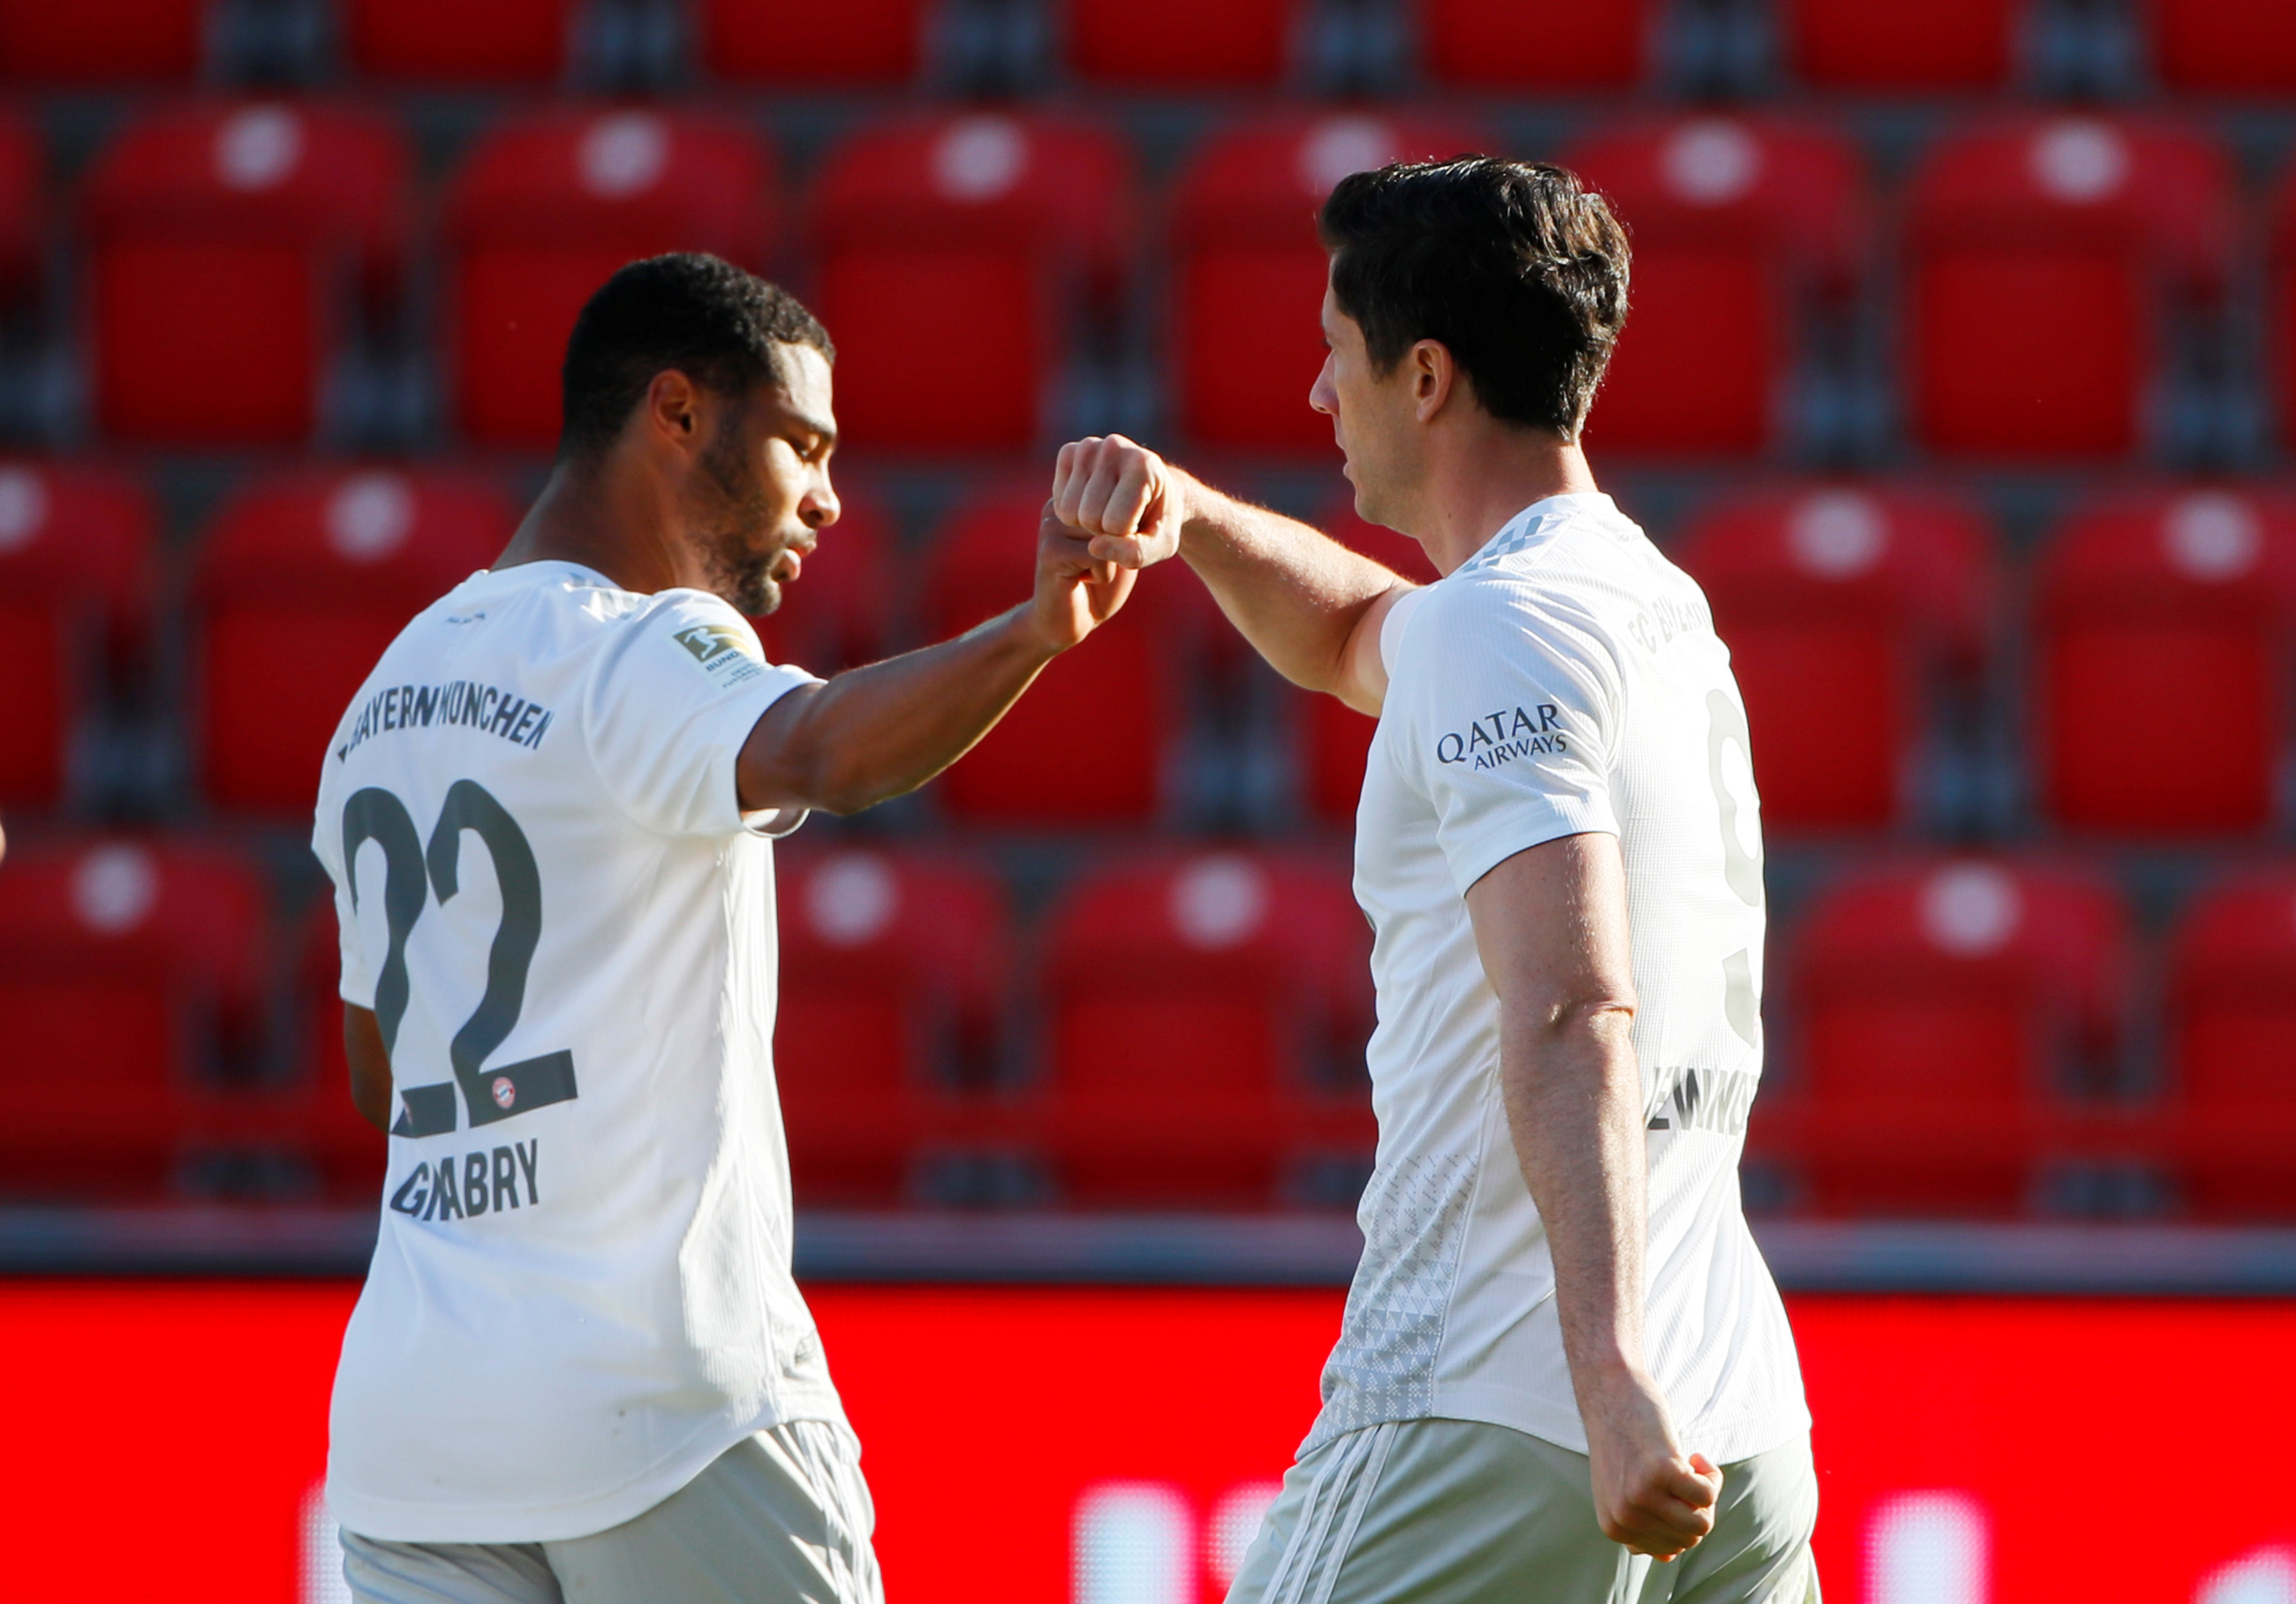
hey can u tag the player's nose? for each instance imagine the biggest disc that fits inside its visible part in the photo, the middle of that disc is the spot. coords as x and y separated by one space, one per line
821 508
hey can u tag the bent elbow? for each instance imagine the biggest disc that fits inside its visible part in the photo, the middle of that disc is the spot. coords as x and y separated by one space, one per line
1597 1016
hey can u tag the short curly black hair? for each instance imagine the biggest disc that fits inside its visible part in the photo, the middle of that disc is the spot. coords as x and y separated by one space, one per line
721 326
1515 267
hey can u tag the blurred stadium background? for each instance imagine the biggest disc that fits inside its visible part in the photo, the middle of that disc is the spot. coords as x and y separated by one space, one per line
1961 372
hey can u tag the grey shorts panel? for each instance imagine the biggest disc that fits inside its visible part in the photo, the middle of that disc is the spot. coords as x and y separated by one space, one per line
781 1517
1460 1512
447 1573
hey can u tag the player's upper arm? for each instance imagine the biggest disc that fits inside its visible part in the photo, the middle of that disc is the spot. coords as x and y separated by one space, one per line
1550 925
370 1066
1364 661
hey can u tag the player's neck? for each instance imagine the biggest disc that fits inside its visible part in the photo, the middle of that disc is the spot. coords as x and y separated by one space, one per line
1482 478
614 523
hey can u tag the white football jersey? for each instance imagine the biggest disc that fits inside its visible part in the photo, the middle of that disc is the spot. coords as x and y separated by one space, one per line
1565 680
564 925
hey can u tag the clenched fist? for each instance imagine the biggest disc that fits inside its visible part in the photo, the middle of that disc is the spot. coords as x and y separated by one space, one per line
1127 499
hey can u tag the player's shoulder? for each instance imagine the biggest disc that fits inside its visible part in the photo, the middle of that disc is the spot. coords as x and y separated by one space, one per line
685 633
1541 593
1575 562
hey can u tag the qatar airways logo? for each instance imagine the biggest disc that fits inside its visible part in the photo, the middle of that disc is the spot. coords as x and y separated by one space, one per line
1502 738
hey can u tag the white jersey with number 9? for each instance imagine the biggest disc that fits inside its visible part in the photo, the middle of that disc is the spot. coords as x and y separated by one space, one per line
1565 680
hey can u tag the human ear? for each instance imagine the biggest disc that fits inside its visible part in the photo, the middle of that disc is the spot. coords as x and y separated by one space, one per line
673 407
1432 372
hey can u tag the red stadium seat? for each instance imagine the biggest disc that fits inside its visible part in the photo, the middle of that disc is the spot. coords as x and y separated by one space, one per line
2223 46
1897 45
76 571
1335 738
546 208
804 46
1941 1013
106 42
2231 1044
1089 745
131 982
301 583
1204 1021
954 252
227 244
2165 612
1735 223
2041 249
1841 606
893 977
1180 43
839 613
448 41
1505 45
1248 274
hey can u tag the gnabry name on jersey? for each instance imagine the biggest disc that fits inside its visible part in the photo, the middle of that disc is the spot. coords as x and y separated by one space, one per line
475 1184
1501 737
458 701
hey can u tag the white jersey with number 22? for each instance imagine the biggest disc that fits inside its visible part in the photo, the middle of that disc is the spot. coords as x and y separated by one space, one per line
564 925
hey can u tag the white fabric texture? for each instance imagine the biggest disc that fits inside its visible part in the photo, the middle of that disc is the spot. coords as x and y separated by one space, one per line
582 1293
783 1517
1566 679
1464 1512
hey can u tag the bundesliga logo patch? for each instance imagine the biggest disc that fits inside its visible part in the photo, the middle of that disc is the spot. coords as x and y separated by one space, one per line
724 652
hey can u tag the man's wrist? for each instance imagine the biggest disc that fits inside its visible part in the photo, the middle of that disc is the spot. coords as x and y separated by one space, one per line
1608 1373
1198 504
1020 632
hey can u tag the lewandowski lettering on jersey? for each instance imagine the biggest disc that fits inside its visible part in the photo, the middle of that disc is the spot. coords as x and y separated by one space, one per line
1506 725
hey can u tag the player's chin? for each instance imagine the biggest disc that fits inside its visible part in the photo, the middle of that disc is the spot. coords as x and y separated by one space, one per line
761 593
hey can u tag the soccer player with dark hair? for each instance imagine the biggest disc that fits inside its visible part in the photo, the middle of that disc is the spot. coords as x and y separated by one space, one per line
1564 1373
579 1369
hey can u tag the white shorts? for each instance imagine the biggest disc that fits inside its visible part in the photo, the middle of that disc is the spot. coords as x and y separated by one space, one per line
1461 1512
781 1517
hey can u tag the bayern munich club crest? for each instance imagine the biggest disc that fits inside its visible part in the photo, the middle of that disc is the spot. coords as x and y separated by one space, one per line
504 1092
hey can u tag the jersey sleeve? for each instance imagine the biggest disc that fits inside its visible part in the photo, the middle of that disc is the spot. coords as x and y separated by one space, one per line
669 709
1511 709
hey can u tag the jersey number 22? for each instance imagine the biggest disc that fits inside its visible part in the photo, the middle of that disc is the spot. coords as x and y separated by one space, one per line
411 873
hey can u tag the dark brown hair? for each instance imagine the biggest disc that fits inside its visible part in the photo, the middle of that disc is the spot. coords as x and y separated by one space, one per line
1517 268
721 327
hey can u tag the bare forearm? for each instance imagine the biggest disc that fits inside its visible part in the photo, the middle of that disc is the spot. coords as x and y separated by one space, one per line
1574 1103
1296 594
879 732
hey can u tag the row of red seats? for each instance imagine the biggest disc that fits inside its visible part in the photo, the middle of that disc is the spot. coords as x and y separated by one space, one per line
1853 612
1951 1035
952 255
1957 1038
1224 1068
322 567
2204 45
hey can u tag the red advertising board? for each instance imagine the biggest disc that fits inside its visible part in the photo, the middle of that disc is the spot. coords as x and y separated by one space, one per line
1075 1446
